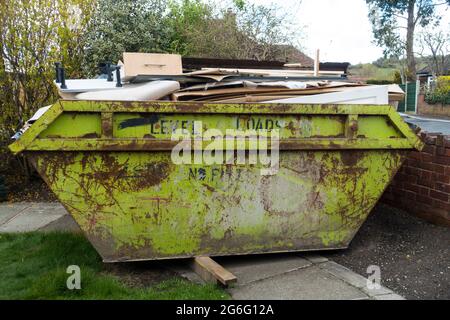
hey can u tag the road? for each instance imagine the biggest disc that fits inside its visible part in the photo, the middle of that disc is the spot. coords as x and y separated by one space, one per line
429 124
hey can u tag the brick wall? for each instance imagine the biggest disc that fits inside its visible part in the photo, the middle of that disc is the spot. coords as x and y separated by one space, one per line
426 109
422 185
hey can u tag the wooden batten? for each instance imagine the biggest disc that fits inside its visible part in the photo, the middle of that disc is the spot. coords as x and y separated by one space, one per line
212 272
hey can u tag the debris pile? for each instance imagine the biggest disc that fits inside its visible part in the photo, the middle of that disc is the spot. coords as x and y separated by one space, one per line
149 76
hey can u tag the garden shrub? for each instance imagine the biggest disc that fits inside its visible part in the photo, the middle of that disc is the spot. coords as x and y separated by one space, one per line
441 93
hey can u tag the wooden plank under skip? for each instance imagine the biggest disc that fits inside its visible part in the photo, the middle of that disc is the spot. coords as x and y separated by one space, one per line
211 271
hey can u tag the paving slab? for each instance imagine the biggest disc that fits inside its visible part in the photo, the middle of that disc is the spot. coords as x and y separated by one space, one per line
377 292
354 279
34 217
344 273
9 210
248 269
391 296
45 207
311 283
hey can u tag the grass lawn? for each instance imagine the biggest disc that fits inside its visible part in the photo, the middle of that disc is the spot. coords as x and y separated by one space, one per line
33 266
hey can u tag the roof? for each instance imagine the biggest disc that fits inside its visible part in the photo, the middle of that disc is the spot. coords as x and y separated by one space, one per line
427 70
290 54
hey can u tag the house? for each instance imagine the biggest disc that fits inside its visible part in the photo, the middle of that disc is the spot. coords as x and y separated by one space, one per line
426 74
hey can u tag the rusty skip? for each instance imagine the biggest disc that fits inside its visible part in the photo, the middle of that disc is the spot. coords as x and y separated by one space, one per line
109 163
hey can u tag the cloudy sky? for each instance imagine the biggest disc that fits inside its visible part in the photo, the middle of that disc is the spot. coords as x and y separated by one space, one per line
340 28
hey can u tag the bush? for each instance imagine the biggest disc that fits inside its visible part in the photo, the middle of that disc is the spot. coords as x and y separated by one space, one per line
398 77
438 97
441 94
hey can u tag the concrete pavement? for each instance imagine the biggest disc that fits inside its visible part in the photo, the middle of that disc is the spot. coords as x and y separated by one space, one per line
29 216
298 277
273 277
293 276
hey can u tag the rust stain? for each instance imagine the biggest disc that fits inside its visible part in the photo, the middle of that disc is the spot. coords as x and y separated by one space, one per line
90 135
350 158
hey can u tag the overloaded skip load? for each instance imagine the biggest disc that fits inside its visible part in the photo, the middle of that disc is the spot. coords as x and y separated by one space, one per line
110 163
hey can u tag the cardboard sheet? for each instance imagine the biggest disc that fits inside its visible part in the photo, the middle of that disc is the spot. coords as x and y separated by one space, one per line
136 63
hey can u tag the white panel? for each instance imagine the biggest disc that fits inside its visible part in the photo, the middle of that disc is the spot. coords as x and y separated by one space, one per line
378 95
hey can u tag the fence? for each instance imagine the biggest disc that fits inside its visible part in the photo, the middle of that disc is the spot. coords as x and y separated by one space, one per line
412 92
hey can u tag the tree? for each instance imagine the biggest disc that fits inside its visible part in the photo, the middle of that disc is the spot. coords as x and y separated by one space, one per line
188 19
200 30
240 31
33 35
388 17
268 30
435 50
27 37
118 26
74 23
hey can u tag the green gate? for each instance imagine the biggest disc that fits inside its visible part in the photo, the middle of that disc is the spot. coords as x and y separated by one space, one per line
411 90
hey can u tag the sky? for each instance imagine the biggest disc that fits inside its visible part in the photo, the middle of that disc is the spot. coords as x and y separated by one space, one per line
339 28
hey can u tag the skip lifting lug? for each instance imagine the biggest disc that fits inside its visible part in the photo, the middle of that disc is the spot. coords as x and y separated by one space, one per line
60 75
109 70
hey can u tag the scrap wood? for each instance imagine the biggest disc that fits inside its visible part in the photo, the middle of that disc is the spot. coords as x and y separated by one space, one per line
243 84
305 77
266 98
211 271
274 84
267 94
293 65
201 76
205 93
274 72
180 78
212 73
242 91
262 97
203 79
214 77
198 63
301 84
214 85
